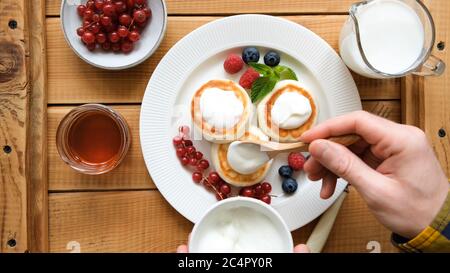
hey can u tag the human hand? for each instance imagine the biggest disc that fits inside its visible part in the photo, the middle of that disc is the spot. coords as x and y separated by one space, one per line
393 167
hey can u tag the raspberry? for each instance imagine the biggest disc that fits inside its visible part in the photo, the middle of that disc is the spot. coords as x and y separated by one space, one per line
248 78
233 64
296 161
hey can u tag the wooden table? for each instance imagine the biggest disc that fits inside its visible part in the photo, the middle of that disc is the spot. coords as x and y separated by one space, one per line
46 206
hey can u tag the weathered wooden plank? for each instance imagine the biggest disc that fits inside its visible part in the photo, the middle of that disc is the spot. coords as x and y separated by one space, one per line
132 173
14 96
74 81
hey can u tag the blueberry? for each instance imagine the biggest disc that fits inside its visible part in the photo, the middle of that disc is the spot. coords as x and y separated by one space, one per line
285 171
272 58
289 185
250 55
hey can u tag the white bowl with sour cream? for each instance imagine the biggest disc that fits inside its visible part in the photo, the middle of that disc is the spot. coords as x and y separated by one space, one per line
241 225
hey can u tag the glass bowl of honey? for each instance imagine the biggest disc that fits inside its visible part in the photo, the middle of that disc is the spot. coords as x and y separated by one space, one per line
93 139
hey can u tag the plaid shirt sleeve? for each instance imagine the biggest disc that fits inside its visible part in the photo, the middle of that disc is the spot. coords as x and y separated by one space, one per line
435 238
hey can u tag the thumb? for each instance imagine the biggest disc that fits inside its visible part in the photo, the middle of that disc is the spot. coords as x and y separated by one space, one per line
342 162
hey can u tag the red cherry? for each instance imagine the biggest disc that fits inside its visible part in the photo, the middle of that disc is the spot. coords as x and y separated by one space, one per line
88 38
80 31
100 37
105 20
197 177
247 192
114 37
109 10
134 36
181 152
81 9
266 187
225 189
125 19
266 199
139 16
184 161
122 31
213 177
177 140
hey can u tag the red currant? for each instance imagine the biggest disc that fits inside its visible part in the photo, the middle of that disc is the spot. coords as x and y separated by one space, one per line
134 36
181 152
96 17
130 3
126 46
139 2
219 196
258 190
147 11
266 187
184 161
203 164
247 192
115 47
105 20
81 9
109 10
197 177
122 31
266 199
100 37
198 155
213 177
177 140
114 37
190 150
88 37
80 31
99 4
88 15
193 162
187 142
95 28
106 45
91 47
225 189
90 4
120 6
125 19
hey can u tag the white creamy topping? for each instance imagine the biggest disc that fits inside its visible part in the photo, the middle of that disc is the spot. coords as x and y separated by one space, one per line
240 229
291 110
246 158
220 108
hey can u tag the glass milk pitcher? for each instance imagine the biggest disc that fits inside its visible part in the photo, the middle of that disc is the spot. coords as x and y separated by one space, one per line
390 39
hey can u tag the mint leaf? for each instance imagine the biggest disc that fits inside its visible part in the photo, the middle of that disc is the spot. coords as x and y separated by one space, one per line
285 73
262 69
263 86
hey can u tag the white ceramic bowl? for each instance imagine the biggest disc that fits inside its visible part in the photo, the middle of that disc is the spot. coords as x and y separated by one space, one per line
260 207
151 37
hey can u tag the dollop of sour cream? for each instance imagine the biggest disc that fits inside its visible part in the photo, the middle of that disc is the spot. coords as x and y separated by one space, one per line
291 110
246 158
240 229
220 108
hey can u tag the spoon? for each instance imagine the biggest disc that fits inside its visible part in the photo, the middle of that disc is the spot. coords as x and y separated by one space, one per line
274 148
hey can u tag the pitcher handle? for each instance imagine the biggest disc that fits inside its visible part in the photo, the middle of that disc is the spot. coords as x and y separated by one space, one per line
432 67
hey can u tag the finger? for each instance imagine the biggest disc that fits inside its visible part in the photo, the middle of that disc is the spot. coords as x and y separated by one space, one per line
313 167
301 248
343 163
182 249
318 176
370 127
328 186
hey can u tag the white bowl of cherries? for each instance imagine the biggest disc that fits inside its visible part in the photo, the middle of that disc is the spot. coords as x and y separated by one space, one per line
114 34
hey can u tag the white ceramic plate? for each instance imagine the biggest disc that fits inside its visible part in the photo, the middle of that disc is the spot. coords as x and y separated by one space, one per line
199 57
151 37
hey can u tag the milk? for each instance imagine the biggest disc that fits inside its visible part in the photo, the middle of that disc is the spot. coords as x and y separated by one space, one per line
392 37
